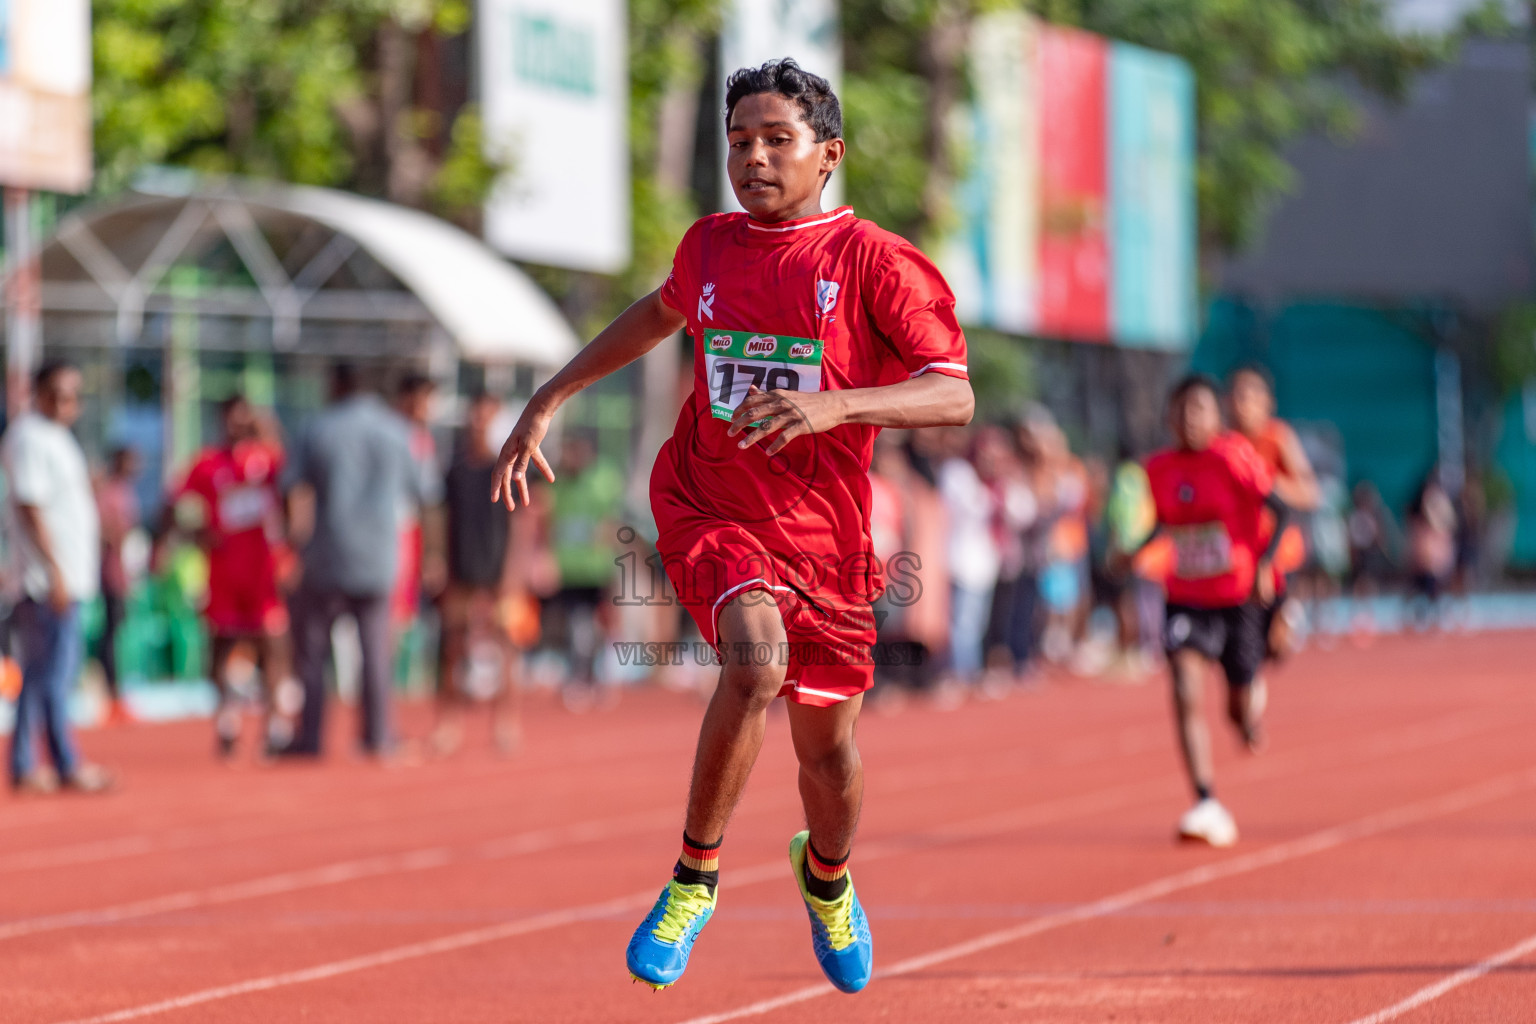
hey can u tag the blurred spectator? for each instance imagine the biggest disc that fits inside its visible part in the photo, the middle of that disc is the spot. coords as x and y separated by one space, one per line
240 528
355 457
417 572
118 507
586 499
1431 545
487 607
1371 533
973 556
1129 518
1471 521
1011 626
59 547
1061 486
909 531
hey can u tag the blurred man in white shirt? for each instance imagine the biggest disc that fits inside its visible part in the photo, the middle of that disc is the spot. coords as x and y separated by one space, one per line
59 553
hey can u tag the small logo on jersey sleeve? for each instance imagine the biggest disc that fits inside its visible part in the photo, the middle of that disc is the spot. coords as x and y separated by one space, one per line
720 342
707 302
761 345
826 296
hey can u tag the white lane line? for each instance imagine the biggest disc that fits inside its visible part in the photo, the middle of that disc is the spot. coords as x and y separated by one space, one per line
78 853
1014 819
1317 842
1117 742
344 871
446 944
1429 993
736 878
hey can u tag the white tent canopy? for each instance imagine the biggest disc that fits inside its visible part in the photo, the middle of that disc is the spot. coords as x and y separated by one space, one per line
317 263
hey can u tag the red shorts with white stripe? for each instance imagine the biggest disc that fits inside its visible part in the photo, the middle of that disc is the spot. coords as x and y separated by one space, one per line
828 656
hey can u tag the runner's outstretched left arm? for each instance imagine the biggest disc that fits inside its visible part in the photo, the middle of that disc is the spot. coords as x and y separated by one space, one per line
928 400
633 333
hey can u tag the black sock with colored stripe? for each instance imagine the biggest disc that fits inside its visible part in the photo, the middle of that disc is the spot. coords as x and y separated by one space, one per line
826 879
699 863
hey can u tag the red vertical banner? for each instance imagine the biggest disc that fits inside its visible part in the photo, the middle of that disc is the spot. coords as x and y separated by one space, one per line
1073 299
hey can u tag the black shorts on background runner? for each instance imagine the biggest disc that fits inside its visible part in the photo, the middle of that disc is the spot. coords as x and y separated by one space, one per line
1237 637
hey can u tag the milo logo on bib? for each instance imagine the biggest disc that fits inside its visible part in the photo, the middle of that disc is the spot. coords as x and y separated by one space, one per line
737 360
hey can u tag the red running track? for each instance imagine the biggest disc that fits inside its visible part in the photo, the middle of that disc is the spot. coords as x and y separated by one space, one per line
1015 858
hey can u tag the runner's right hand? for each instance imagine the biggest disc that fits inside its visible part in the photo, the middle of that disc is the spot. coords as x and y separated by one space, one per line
522 447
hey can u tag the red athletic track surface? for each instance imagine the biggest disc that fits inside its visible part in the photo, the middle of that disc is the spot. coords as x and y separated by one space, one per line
1015 858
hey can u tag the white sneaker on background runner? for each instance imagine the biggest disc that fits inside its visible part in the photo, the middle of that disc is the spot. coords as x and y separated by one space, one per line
1208 822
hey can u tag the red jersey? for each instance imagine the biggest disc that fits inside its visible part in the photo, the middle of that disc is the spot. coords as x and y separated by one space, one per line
238 488
818 304
1211 505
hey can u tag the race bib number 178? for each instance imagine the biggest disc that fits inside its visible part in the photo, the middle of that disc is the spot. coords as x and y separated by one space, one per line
737 360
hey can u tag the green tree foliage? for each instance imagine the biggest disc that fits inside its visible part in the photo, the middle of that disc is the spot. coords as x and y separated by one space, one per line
319 91
1267 73
667 65
316 93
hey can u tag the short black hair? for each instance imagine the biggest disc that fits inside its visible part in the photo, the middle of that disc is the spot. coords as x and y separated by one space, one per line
345 380
1190 384
50 369
414 384
1258 370
818 103
233 401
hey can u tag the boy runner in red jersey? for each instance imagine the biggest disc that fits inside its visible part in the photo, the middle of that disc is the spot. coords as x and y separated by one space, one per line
1211 492
242 533
811 331
1251 396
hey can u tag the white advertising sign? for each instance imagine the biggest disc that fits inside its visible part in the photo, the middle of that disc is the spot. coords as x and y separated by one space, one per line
554 87
45 94
757 31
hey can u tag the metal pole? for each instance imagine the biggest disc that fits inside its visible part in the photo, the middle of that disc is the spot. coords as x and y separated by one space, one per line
23 305
1450 432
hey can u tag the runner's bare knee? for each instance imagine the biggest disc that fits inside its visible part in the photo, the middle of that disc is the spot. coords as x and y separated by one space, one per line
752 640
824 743
834 767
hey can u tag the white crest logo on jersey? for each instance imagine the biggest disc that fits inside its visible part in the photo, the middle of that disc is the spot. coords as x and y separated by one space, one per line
707 302
826 296
759 345
720 342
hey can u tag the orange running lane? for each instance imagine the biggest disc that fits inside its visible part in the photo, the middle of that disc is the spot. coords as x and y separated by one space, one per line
1015 858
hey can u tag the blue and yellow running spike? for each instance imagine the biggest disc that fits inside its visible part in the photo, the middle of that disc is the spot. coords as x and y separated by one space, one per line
839 929
659 950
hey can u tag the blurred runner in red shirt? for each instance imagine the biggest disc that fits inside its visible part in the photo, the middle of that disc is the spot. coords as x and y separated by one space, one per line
1212 491
1251 397
235 485
811 330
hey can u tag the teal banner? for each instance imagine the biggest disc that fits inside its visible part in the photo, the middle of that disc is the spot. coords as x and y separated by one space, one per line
1152 199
